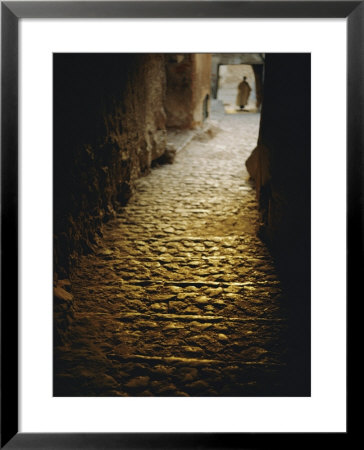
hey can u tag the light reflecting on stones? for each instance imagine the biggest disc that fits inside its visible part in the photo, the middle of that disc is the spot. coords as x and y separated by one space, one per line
181 298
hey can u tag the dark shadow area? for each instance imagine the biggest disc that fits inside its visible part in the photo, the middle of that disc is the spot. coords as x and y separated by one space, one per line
281 167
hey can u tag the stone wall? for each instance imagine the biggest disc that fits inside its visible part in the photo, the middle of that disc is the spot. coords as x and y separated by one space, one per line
109 125
188 84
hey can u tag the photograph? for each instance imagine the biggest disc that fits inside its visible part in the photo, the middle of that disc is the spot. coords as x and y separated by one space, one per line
181 219
181 224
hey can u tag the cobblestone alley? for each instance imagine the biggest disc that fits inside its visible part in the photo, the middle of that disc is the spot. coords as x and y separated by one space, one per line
182 298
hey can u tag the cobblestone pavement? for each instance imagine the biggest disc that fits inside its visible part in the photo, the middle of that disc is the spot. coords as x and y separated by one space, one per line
182 298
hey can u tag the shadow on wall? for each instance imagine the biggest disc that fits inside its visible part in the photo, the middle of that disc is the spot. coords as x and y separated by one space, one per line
280 166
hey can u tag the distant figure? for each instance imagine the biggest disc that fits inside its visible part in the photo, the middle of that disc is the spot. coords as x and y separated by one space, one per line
243 93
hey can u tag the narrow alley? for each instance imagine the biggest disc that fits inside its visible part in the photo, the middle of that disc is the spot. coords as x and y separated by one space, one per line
181 297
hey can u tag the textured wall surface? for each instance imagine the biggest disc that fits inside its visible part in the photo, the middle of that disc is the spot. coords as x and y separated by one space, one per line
179 69
109 124
188 84
202 86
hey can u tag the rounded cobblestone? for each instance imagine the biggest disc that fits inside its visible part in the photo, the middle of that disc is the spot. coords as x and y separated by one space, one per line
181 298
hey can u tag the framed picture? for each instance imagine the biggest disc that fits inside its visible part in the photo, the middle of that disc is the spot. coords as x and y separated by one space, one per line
196 211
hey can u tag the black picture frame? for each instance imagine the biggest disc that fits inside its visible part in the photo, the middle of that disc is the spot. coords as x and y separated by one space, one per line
11 12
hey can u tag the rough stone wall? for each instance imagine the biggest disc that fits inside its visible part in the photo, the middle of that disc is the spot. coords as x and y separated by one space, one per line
188 83
109 125
179 90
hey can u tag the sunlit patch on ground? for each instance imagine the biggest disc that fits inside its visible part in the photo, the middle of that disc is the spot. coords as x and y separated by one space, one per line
229 109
